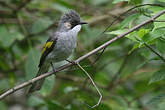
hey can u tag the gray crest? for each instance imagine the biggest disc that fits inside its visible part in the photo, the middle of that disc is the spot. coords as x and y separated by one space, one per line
70 16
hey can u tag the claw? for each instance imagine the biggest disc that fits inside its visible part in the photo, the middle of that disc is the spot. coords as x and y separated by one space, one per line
53 67
72 62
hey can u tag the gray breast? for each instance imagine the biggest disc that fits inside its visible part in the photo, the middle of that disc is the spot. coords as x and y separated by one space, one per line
65 45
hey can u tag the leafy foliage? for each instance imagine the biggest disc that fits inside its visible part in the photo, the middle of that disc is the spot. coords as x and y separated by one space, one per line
157 76
122 73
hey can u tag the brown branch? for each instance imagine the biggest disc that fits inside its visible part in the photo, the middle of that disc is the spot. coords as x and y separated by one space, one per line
120 16
158 5
18 87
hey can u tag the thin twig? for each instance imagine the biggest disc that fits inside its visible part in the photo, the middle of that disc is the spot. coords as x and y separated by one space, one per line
92 83
150 48
29 82
158 5
159 21
98 57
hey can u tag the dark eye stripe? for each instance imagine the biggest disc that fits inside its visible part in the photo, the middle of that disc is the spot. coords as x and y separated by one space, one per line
74 23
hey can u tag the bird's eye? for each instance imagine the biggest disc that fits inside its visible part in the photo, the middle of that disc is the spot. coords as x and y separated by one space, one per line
68 25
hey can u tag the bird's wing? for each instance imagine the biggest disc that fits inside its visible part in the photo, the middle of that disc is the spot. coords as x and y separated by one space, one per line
48 47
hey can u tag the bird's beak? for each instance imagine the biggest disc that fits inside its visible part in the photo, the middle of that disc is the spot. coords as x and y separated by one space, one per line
82 22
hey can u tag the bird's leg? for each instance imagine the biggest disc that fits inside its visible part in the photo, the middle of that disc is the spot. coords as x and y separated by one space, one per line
53 67
72 62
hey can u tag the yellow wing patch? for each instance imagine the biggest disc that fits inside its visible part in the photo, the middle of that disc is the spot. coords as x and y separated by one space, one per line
47 45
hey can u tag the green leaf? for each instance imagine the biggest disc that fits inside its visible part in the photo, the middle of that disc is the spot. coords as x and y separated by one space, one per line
117 1
132 36
149 37
60 7
135 46
156 9
135 2
157 76
147 61
103 106
160 44
142 64
35 101
159 24
146 53
43 108
129 20
161 0
98 2
31 64
7 37
93 33
143 32
18 52
157 99
52 104
5 82
3 106
159 32
70 89
41 24
48 85
102 78
117 32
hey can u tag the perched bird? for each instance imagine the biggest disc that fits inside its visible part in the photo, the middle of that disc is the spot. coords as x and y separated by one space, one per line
60 45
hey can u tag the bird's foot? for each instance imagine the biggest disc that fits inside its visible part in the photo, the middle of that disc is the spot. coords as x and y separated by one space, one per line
54 69
72 62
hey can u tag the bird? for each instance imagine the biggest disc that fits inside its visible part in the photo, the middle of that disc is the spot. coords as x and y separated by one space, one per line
59 46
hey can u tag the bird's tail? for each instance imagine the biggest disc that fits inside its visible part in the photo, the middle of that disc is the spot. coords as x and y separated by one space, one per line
37 85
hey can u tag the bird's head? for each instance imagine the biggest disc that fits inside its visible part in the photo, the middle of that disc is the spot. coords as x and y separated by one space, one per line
70 20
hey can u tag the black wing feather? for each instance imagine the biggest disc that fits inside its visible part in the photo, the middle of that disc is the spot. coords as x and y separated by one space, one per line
47 51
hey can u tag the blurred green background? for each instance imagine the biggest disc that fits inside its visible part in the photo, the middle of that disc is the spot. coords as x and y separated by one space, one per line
129 75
